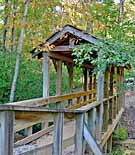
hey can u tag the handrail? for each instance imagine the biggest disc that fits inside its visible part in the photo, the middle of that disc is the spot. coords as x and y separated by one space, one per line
45 101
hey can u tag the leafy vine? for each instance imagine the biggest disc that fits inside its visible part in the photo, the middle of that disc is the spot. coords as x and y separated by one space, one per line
104 53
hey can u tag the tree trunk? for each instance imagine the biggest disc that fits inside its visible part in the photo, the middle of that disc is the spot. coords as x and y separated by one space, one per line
20 44
3 41
13 26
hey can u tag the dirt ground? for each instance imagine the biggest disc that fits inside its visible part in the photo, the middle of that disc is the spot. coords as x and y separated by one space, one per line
130 112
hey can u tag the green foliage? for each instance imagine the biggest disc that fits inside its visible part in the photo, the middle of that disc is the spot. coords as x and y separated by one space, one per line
29 84
120 134
109 51
117 152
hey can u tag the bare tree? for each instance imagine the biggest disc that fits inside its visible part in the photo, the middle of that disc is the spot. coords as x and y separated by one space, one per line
13 26
20 44
3 41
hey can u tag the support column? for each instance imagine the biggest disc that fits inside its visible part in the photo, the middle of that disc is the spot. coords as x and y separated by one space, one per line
70 73
45 70
59 81
6 133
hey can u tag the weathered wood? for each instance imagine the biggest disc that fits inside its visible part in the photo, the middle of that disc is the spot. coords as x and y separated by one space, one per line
118 88
80 104
70 73
85 85
94 85
6 133
59 78
106 116
45 101
92 121
28 120
79 134
90 83
100 88
55 64
28 131
75 32
58 134
106 106
45 70
63 48
91 141
111 128
34 136
111 81
109 145
65 58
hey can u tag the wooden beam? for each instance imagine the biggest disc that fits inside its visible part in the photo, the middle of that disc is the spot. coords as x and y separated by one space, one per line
55 64
91 141
75 32
65 58
6 133
63 48
111 128
27 119
34 136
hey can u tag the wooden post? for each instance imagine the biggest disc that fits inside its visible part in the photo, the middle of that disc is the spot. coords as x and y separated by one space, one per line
79 134
45 70
92 121
6 133
59 81
90 84
58 134
118 88
111 103
106 106
100 99
70 73
85 86
94 85
91 125
122 91
59 78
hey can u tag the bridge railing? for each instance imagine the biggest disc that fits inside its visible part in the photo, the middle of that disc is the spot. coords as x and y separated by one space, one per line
87 121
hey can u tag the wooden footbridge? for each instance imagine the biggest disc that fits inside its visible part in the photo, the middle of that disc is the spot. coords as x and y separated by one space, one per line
84 120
